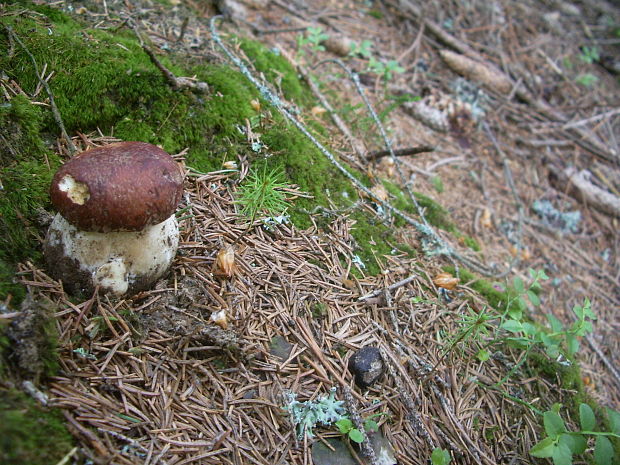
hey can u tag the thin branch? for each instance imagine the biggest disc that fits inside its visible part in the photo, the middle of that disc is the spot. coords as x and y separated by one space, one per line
177 83
402 282
356 418
400 152
606 361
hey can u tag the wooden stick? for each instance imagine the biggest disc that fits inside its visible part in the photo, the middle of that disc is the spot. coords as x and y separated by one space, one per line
400 152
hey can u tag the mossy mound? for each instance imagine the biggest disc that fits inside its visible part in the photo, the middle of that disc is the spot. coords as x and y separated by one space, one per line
26 170
105 81
30 434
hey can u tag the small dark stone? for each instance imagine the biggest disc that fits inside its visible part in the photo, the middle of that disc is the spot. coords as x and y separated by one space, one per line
337 453
367 366
280 348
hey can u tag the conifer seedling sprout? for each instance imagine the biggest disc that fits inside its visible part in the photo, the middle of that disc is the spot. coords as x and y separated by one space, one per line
261 193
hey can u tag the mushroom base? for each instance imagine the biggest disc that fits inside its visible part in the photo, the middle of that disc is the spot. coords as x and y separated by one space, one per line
118 262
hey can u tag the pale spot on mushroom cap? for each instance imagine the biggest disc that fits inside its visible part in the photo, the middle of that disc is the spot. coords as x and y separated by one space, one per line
76 191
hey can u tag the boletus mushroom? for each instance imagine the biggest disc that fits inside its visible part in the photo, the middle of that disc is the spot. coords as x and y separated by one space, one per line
115 226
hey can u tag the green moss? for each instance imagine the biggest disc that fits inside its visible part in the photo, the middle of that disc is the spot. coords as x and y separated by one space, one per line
30 434
434 213
496 299
472 243
278 71
25 173
106 81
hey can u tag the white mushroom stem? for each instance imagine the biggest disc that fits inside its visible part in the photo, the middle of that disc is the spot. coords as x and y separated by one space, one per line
117 262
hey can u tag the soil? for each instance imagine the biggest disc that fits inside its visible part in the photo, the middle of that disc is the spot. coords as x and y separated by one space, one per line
153 379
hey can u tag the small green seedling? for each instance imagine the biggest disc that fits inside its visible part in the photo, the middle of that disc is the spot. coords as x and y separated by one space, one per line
586 79
561 444
385 70
261 193
362 49
345 426
440 456
486 328
313 38
437 184
590 55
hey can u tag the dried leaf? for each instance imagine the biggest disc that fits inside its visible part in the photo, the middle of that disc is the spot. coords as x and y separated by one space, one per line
485 219
318 111
225 262
525 254
445 280
220 319
255 104
380 192
338 45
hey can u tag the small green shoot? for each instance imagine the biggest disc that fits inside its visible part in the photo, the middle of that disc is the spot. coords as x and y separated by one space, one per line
586 79
345 426
437 184
440 456
362 49
589 55
486 328
261 193
313 38
560 444
385 70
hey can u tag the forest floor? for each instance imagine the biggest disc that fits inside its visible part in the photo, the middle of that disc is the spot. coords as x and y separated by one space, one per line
152 380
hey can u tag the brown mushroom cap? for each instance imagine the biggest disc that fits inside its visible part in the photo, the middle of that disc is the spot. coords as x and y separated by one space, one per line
119 187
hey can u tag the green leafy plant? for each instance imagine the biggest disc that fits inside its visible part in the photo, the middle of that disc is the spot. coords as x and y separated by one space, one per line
362 49
486 328
586 79
589 55
440 456
437 184
475 326
385 70
313 38
261 192
345 426
560 444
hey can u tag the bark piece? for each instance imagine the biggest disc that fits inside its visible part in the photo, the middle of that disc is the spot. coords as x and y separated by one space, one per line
476 71
581 188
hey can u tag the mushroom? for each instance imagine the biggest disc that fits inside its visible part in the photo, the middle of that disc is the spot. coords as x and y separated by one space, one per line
115 228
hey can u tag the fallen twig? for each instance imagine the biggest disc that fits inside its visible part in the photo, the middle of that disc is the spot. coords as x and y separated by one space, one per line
400 152
356 418
402 282
580 187
602 356
340 124
177 83
577 134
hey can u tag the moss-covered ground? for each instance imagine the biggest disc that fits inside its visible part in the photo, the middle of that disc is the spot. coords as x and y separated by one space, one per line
106 81
30 434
